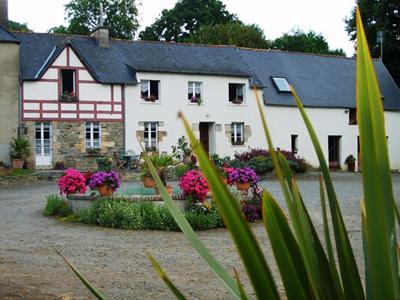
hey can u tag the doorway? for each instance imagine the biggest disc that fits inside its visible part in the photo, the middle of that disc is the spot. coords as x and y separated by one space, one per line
43 144
207 136
359 169
334 151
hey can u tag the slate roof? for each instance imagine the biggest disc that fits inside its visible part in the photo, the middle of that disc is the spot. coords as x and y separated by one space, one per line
118 63
6 36
320 80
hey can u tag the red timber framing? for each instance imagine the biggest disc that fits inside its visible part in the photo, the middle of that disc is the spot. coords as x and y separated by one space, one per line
85 110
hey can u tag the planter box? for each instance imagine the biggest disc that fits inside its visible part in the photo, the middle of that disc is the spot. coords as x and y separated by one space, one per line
82 202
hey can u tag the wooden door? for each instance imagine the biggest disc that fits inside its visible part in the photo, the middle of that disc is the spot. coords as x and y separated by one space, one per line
358 155
204 136
334 151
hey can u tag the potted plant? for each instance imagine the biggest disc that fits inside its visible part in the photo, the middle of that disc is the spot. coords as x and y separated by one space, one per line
105 182
72 182
197 100
93 152
104 163
182 151
68 97
152 98
194 185
20 150
237 101
351 163
243 177
162 163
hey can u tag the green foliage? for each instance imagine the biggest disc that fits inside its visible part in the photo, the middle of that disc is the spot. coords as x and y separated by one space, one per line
377 16
15 26
180 170
182 149
299 41
220 161
237 33
21 172
56 206
187 16
260 164
104 163
59 29
120 17
143 215
350 159
20 148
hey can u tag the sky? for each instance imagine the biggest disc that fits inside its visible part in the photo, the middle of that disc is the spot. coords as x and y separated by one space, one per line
275 17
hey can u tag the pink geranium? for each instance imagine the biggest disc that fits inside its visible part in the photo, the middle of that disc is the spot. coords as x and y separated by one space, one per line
72 182
194 184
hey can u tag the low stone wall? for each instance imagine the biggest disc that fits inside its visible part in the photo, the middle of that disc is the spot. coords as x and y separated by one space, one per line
81 202
8 180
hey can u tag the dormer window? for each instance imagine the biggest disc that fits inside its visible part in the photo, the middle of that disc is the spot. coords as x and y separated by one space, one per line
149 90
281 84
68 93
236 93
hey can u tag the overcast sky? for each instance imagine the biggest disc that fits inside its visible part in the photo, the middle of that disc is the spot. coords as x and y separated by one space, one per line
273 16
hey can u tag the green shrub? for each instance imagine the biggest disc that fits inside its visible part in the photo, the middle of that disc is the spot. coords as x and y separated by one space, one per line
56 206
143 215
179 170
261 164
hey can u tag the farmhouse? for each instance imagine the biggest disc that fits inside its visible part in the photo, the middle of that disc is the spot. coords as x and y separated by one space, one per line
70 95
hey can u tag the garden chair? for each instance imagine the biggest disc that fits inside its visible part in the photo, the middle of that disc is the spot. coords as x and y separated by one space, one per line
120 164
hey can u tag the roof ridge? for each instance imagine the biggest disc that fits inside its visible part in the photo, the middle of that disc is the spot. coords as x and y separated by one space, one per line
51 33
297 53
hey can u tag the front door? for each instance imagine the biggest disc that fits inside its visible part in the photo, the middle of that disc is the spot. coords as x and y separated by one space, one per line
358 154
334 151
204 135
43 144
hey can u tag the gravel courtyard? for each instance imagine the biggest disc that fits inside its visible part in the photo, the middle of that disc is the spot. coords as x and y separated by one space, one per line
114 260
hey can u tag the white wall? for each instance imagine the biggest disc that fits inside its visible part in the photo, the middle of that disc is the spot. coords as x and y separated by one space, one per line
282 121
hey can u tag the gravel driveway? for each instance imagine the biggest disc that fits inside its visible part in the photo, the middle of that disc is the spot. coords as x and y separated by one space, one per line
114 260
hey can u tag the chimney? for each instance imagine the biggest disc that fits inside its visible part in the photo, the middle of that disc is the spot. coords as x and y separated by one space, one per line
4 13
102 36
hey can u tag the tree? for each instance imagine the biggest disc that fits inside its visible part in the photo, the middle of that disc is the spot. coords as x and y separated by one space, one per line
299 41
120 17
15 26
187 16
383 15
59 29
236 33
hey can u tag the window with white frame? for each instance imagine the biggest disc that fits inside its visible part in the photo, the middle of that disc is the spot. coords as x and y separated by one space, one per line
236 93
149 90
194 92
151 135
93 136
237 133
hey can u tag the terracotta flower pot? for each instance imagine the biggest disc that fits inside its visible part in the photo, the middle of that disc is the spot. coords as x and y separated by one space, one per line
17 163
351 166
242 186
105 190
224 180
170 190
149 182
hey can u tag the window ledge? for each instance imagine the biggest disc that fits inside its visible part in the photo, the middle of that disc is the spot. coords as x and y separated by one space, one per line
150 102
244 145
244 104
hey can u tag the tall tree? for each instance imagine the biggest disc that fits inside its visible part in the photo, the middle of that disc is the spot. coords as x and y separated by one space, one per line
382 15
178 23
236 33
120 16
15 26
299 41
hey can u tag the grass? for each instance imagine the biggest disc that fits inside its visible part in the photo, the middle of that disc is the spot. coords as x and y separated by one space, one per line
20 173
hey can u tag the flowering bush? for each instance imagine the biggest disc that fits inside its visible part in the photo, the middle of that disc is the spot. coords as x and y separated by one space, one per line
251 212
230 174
194 184
110 179
104 163
72 182
243 175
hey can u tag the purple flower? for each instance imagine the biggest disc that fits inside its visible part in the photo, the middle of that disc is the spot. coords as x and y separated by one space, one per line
243 175
110 179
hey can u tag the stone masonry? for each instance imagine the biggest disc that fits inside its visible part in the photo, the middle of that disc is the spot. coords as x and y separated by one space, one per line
69 142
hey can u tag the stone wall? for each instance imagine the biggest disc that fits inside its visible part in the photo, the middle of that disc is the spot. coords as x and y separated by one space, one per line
9 97
69 142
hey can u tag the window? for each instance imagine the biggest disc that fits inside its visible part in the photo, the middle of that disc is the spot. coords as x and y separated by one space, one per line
237 137
236 93
93 136
294 145
194 92
67 81
150 135
352 116
149 90
281 84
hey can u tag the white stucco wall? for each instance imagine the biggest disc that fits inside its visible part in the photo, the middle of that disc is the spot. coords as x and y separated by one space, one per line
282 121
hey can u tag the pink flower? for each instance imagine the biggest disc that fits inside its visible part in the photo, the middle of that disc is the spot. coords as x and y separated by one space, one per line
72 182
